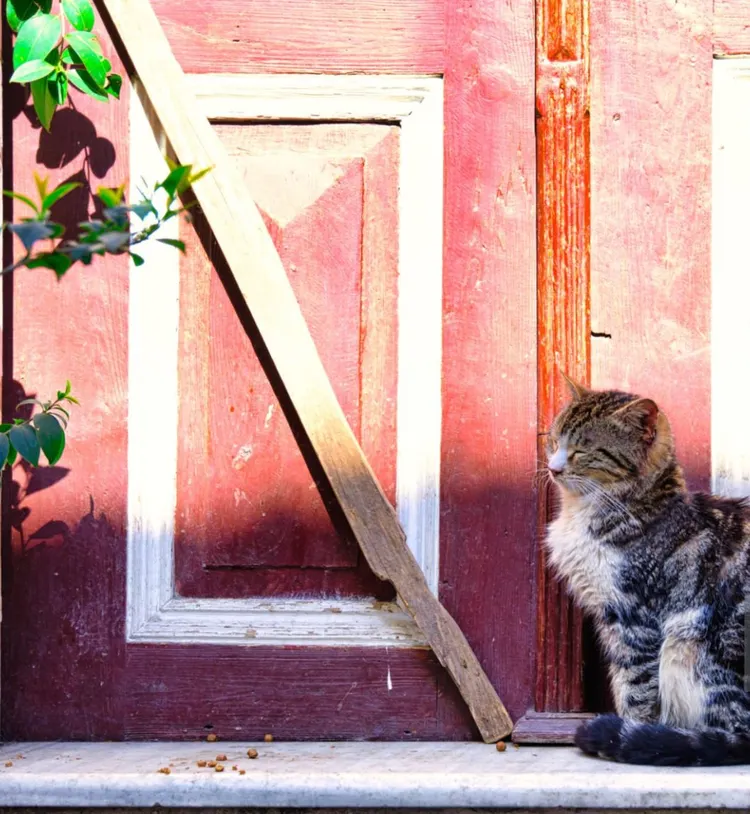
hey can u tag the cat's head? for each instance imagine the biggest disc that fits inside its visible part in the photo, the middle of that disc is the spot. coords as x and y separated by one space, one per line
606 439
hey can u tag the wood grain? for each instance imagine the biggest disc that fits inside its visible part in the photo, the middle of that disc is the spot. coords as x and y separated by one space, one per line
260 276
550 728
64 567
487 502
336 36
651 188
563 309
731 27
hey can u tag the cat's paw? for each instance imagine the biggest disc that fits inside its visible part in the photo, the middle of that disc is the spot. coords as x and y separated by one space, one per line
600 737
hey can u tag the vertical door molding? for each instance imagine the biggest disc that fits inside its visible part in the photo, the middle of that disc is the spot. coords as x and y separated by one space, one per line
564 314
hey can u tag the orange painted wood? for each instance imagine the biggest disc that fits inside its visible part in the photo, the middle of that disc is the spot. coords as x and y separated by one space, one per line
731 27
336 36
563 304
246 500
651 73
488 506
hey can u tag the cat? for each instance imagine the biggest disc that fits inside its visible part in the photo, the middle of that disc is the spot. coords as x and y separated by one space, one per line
664 573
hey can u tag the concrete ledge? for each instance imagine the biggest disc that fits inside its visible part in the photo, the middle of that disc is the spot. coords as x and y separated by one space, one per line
346 775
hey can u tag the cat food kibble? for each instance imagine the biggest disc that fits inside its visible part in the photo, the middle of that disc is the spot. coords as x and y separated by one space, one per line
165 770
268 738
252 753
221 757
219 767
201 763
500 746
211 738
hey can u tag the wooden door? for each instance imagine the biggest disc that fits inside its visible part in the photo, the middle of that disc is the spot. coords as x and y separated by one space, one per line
180 574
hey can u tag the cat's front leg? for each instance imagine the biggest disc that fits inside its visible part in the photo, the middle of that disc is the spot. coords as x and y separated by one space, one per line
635 690
682 687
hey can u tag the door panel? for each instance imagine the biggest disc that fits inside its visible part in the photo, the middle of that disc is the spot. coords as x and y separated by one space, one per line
250 518
408 210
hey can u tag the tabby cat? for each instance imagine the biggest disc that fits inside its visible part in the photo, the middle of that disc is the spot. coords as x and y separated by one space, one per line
663 572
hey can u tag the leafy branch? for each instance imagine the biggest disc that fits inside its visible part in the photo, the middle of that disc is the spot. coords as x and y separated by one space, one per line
121 227
50 60
43 432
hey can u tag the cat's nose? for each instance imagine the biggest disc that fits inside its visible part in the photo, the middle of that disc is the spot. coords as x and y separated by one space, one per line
557 462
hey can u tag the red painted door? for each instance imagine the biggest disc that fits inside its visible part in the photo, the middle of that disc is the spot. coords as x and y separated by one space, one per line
180 572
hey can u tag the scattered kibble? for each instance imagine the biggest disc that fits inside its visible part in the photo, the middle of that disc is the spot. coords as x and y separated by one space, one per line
221 757
242 771
219 767
500 746
252 753
165 770
211 764
211 738
234 768
516 746
201 763
268 738
9 763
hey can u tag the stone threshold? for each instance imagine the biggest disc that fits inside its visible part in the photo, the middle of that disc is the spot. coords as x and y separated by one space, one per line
351 775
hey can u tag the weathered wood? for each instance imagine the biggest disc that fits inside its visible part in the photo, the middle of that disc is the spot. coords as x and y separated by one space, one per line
651 230
262 281
564 328
487 501
337 36
731 27
550 728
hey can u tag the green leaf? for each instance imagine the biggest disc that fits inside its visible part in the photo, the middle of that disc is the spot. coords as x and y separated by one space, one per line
29 401
25 440
51 436
29 233
83 80
4 450
59 263
80 13
69 57
12 455
114 241
67 387
59 192
110 197
73 400
178 244
18 11
176 181
88 49
31 70
44 102
58 87
137 259
41 185
198 175
24 198
114 85
36 38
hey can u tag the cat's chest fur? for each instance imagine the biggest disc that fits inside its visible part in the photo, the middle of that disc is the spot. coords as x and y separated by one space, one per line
590 568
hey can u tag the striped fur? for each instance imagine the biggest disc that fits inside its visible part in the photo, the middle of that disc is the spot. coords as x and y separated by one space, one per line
663 572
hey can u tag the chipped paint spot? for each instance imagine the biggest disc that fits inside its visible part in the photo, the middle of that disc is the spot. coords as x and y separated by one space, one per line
244 453
388 681
269 416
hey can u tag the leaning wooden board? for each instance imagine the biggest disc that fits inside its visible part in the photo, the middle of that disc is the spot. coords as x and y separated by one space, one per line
260 276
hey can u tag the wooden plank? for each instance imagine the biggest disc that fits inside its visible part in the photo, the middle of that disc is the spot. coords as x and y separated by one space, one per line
255 36
564 328
294 693
549 728
650 235
275 314
487 501
731 27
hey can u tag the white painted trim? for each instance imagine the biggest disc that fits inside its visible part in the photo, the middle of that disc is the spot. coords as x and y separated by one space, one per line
730 277
154 613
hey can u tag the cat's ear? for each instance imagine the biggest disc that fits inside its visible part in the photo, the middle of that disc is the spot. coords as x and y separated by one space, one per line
641 414
577 391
